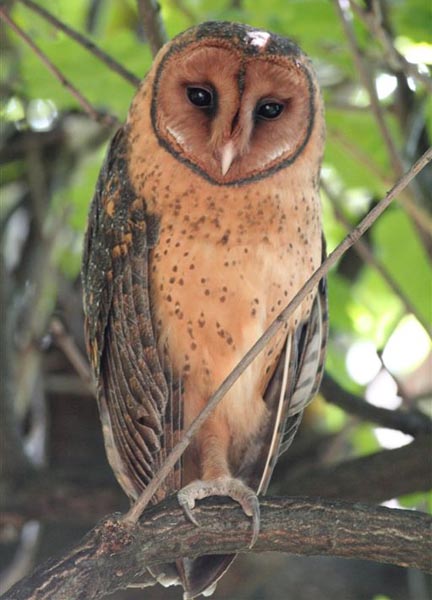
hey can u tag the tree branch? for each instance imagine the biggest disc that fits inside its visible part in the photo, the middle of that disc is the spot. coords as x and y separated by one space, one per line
412 422
105 119
79 362
374 478
368 84
86 43
149 12
114 552
372 20
136 510
367 255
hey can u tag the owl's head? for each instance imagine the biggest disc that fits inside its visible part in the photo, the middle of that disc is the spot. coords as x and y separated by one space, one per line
235 103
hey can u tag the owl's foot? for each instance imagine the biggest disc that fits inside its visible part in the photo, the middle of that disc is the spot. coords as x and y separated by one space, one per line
222 486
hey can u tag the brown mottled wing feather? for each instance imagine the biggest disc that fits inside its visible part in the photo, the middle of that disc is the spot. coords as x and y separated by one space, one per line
135 398
301 366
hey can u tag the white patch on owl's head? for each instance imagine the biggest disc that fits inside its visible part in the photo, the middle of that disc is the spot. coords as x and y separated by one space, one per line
258 38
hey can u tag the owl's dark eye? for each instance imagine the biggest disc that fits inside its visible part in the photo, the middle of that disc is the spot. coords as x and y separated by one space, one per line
269 109
201 97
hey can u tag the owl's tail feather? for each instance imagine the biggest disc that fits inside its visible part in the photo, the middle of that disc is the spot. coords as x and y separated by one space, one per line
200 575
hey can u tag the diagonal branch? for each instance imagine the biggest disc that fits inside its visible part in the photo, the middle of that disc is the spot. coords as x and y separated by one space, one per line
83 41
373 478
149 12
110 556
368 83
412 422
372 20
136 510
365 252
83 102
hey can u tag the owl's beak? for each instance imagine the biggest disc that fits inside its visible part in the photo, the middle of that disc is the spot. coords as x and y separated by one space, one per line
227 155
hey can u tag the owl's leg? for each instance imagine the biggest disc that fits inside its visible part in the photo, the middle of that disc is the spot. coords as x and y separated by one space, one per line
222 486
216 478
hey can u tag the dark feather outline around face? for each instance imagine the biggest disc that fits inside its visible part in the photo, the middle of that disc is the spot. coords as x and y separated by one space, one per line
233 36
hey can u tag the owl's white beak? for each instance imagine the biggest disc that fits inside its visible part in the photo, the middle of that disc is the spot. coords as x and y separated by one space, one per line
227 156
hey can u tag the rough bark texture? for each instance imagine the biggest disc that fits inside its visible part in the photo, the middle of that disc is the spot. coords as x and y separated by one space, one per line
113 553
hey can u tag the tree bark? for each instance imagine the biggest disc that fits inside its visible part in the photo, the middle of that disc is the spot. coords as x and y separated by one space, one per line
114 553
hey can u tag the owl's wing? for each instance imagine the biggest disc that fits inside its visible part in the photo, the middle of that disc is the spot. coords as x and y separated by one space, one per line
135 398
294 384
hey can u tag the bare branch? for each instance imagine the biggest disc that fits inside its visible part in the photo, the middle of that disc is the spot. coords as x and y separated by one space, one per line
395 60
111 63
368 83
136 510
410 422
373 478
67 344
364 251
105 119
420 216
149 11
114 552
182 7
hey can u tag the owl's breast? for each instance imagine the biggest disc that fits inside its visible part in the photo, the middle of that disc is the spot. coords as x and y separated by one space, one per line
222 270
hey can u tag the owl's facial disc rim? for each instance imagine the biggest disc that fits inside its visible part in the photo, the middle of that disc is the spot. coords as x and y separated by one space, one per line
170 142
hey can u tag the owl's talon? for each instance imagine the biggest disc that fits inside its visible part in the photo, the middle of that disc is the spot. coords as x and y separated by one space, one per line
223 486
187 503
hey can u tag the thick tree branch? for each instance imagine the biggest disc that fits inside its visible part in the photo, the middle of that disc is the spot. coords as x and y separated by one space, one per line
114 552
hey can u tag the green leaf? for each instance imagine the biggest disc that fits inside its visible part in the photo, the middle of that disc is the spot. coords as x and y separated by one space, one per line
399 249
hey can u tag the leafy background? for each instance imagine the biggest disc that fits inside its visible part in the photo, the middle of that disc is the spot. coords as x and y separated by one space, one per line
51 153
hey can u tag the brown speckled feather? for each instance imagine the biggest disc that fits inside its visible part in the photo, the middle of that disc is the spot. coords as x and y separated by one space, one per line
135 394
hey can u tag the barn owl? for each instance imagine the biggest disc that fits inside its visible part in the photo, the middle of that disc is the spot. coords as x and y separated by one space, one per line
205 223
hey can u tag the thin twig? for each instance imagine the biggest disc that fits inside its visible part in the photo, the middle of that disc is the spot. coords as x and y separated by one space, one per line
369 85
137 509
67 344
419 215
394 58
149 12
182 7
83 41
84 103
360 155
364 251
